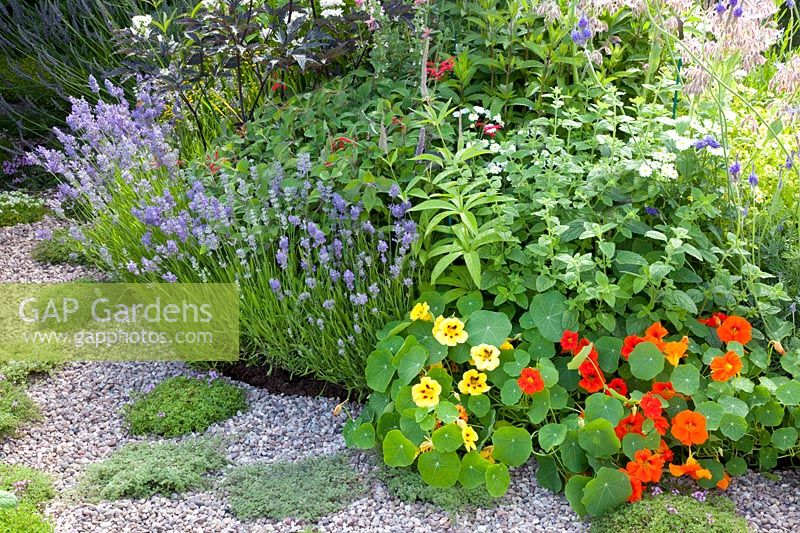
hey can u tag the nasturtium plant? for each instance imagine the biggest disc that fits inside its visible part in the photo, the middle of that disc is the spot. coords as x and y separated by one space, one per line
602 417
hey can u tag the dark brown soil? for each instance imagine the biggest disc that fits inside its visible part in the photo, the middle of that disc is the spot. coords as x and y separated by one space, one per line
279 381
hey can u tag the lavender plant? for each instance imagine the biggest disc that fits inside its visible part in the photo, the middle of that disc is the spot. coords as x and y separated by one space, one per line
318 274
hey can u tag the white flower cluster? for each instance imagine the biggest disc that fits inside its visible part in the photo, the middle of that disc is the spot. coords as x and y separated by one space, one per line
140 25
478 112
662 161
331 8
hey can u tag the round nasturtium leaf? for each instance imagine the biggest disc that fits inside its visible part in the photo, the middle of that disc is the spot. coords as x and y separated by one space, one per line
788 393
489 327
769 414
573 457
547 474
398 450
8 500
540 406
713 413
767 458
447 412
547 313
442 378
379 370
685 379
469 303
447 438
717 473
512 445
548 371
784 438
736 466
479 405
521 360
608 351
733 426
598 438
411 364
498 479
439 469
574 493
646 361
473 470
601 405
733 405
551 435
363 436
510 394
609 489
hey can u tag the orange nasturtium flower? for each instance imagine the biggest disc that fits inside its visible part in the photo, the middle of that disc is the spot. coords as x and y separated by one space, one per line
646 466
629 344
692 468
735 329
714 321
650 405
530 381
673 351
689 427
630 424
664 389
724 482
725 366
655 334
636 487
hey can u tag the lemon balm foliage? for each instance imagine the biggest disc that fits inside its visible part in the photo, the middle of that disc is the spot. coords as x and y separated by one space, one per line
16 408
463 395
182 405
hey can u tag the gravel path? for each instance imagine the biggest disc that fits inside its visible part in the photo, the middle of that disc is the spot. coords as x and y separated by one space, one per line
17 265
82 424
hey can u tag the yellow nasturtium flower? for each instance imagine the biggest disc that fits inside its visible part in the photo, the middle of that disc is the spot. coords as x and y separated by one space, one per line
488 453
426 392
449 331
473 383
426 446
507 345
422 311
470 437
485 356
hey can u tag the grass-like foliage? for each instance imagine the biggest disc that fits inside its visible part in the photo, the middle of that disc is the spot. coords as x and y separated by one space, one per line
18 372
181 405
29 485
144 469
59 249
16 408
32 489
407 486
19 208
306 490
668 513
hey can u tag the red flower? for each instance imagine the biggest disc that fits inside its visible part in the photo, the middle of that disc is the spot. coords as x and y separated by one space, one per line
735 328
636 487
651 406
530 381
569 342
664 389
646 466
656 331
664 451
619 385
630 424
583 343
661 424
593 379
278 85
714 321
629 344
340 142
491 129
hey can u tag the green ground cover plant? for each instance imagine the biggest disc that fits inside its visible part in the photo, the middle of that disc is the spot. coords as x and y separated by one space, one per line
182 405
23 492
19 372
408 487
306 490
59 248
16 408
669 512
143 469
19 208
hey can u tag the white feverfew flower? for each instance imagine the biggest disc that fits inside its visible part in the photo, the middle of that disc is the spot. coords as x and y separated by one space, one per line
719 152
140 25
328 13
645 170
683 143
495 148
668 171
496 168
479 109
473 117
324 4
